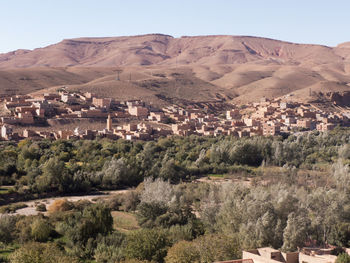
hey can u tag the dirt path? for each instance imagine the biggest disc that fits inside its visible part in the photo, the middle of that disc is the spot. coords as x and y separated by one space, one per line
31 209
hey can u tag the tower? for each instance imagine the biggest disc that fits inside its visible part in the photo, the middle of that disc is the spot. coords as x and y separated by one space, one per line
109 122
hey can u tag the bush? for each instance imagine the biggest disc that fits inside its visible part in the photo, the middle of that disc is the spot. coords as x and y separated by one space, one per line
109 248
41 208
183 252
24 228
12 208
81 229
7 228
40 253
41 230
207 248
131 201
343 258
149 212
217 247
60 205
127 201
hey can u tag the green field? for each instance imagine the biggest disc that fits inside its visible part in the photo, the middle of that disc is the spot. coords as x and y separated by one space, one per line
5 189
5 251
216 175
124 221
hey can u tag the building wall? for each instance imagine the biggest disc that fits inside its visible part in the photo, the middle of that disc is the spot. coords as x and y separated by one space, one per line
303 258
257 258
291 257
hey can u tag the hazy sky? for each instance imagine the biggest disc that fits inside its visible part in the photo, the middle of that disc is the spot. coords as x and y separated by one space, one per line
30 24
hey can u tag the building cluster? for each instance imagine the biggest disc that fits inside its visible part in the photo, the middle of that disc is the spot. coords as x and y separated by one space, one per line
267 118
270 255
138 121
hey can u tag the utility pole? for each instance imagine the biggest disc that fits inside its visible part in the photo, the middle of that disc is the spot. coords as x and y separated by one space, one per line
118 72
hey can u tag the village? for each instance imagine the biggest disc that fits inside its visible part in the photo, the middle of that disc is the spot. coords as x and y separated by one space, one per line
136 120
311 254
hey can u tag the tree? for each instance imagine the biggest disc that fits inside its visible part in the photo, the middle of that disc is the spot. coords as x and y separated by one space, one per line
295 233
40 253
7 228
183 252
110 248
147 213
206 249
41 230
157 191
343 258
247 153
100 217
147 244
60 205
82 228
114 173
170 171
218 247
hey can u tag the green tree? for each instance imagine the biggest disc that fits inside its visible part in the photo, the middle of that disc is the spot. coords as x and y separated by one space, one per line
7 228
343 258
147 244
110 248
183 252
82 228
40 253
295 233
41 229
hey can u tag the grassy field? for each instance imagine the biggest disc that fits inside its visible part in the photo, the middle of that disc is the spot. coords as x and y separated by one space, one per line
5 251
5 189
216 175
124 221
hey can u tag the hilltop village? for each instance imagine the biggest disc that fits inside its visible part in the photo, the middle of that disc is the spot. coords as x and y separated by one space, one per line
136 120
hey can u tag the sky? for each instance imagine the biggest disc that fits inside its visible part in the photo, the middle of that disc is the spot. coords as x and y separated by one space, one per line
29 24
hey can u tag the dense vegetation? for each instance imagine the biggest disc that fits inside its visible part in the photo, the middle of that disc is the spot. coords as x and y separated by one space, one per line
82 165
284 192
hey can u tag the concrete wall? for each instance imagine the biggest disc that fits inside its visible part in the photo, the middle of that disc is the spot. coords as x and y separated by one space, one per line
291 257
257 258
316 259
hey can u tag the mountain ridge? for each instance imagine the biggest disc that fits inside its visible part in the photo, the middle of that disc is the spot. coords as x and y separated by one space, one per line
153 49
237 68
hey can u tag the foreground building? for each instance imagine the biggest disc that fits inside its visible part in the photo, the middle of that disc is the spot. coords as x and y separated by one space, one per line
270 255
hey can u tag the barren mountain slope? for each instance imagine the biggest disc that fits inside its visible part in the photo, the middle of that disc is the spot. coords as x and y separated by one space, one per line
163 49
23 81
163 68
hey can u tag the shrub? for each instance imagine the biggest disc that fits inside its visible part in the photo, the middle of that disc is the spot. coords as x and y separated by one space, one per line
343 258
12 208
109 248
40 253
60 205
183 252
7 228
41 230
131 200
147 244
149 212
41 208
81 229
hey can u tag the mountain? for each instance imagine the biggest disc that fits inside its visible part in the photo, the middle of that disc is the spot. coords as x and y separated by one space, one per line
164 68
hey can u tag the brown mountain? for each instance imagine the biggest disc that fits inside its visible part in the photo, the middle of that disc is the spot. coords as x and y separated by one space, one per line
162 68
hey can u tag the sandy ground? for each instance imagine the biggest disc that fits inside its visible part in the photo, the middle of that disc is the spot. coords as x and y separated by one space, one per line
31 209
